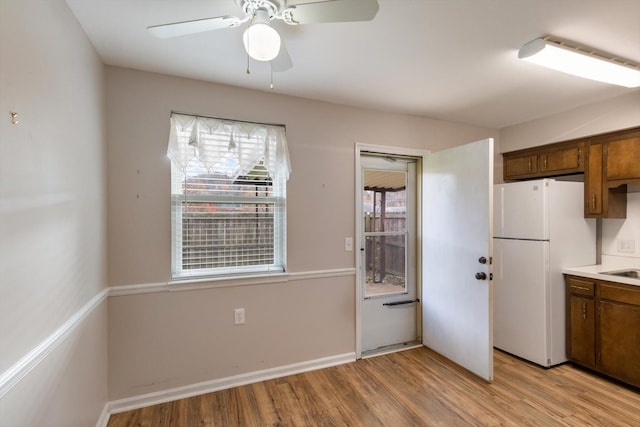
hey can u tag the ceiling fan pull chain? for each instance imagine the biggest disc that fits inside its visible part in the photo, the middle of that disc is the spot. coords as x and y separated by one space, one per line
253 16
271 73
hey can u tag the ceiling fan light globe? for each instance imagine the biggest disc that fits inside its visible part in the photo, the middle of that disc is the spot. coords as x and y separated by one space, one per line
261 41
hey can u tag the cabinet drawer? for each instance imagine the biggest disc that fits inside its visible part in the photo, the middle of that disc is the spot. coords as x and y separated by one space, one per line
581 286
620 293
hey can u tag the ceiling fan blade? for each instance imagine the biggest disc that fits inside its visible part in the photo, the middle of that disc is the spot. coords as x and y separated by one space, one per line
331 11
282 62
177 29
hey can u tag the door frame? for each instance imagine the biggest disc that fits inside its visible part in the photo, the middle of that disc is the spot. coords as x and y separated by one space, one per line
361 148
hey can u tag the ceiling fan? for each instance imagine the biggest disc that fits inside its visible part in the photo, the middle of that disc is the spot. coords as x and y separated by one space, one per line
261 41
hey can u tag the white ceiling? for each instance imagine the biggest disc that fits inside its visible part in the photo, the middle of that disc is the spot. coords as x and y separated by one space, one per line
447 59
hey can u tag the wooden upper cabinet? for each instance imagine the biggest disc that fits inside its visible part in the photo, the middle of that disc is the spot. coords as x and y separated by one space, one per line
610 162
566 159
520 166
593 183
613 162
601 200
623 159
546 161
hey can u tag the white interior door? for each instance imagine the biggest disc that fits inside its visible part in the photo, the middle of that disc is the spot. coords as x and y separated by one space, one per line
457 215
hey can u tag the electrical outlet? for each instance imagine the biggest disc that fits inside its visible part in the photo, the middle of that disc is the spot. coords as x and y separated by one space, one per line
238 316
626 246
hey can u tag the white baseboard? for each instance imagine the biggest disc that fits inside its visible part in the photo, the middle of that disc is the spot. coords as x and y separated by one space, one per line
104 417
141 401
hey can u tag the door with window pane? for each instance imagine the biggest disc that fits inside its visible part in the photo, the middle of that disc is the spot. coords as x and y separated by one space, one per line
388 251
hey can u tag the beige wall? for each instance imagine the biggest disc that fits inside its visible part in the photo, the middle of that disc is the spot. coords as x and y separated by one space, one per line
627 229
618 113
68 388
320 205
163 340
52 212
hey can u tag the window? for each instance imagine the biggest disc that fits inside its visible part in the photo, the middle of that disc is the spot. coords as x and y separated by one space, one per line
228 194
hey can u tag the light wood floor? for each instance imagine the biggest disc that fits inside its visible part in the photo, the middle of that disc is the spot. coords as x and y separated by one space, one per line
410 388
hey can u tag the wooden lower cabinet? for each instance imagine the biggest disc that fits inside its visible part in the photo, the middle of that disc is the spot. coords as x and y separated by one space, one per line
582 348
581 321
603 327
619 331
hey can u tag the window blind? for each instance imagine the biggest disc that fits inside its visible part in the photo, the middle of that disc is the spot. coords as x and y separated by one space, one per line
228 196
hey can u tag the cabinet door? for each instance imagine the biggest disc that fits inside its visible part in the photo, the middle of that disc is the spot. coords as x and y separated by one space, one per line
623 159
593 182
566 160
581 338
619 335
518 167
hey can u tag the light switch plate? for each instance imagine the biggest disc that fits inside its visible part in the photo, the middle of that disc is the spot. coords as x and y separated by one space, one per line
348 244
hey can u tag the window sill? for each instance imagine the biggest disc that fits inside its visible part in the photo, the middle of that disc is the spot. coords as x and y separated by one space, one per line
227 281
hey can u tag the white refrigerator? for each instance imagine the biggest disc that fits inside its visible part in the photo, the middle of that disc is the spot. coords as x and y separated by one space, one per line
539 228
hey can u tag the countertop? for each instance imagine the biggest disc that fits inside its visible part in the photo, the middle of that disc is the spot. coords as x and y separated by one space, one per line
595 272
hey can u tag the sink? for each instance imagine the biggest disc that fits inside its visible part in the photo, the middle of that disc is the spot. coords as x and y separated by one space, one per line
631 272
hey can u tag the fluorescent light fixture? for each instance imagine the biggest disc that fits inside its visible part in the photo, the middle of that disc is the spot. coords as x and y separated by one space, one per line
261 40
581 63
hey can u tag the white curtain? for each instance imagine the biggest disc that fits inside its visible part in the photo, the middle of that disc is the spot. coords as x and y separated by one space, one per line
227 147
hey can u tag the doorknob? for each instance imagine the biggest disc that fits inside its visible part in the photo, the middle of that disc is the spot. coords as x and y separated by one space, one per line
482 260
481 276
